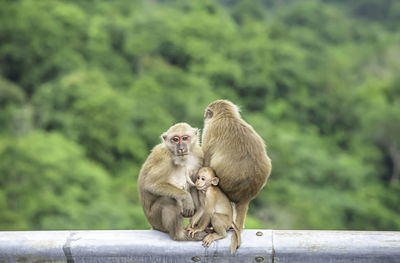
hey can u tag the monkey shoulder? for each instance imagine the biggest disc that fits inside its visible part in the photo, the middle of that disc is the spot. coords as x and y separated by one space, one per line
159 158
215 193
226 129
212 191
198 152
159 152
240 139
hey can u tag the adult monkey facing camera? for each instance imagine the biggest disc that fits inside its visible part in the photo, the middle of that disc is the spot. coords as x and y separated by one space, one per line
164 178
215 208
236 153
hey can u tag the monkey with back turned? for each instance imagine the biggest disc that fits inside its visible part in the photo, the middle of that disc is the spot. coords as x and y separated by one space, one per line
234 150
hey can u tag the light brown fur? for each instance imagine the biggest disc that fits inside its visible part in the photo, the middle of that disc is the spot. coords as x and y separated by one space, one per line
237 154
215 209
163 182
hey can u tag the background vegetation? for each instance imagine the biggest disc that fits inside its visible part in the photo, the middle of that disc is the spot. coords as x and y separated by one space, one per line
87 87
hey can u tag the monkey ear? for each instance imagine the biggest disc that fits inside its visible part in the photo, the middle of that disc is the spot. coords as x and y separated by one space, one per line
164 136
215 181
196 131
238 108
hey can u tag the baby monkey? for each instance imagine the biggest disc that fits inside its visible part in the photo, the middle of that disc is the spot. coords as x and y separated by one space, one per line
215 209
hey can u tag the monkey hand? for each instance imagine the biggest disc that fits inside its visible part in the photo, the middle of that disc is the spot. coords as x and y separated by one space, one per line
187 207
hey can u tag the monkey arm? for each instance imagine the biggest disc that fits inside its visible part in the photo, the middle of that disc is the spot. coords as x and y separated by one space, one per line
208 153
195 196
195 219
203 222
207 148
169 190
208 210
208 145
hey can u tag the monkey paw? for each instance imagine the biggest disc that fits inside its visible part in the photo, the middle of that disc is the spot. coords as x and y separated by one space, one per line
187 212
187 207
208 240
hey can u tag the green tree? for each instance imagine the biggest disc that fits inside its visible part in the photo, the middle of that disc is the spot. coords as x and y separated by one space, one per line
47 183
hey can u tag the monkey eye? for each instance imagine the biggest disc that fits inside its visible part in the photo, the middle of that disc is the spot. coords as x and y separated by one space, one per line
175 139
202 178
185 138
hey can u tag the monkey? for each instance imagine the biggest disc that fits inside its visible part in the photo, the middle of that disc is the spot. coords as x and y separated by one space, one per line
237 154
215 208
165 178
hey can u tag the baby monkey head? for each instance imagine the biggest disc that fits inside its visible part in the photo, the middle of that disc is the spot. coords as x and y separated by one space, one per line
205 178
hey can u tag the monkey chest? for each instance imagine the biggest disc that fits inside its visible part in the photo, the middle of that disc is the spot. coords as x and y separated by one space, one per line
193 165
179 179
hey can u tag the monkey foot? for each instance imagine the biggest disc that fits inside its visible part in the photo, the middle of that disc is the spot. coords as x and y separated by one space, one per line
208 240
196 235
192 231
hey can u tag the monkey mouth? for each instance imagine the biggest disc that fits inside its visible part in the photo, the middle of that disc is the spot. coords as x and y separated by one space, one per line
201 188
182 155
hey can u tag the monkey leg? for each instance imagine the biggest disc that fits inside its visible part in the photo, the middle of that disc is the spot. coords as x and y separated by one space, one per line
172 222
155 216
241 211
220 223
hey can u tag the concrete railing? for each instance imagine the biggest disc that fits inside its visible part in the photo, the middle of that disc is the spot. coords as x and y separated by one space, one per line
153 246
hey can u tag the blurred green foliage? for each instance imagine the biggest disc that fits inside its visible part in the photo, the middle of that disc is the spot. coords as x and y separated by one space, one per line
87 87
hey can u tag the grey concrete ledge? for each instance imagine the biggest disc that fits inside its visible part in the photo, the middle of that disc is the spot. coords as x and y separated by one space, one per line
153 246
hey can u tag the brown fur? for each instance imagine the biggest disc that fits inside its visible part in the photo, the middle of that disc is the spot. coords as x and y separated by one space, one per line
236 153
215 209
163 183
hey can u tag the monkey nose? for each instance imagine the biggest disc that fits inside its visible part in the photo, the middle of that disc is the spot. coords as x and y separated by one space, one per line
181 152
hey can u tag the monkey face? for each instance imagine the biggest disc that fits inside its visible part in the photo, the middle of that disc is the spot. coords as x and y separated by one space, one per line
205 178
181 143
180 139
201 181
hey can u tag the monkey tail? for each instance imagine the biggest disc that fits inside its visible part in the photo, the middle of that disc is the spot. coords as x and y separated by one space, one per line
236 239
